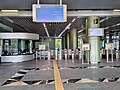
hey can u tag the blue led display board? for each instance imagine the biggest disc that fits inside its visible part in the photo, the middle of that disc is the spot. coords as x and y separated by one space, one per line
49 13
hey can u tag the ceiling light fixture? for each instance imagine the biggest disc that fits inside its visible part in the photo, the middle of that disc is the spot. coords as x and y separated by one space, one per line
80 30
9 11
116 10
67 27
46 30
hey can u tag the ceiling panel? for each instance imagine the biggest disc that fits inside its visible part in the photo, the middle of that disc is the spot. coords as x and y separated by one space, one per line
25 24
79 23
28 25
111 21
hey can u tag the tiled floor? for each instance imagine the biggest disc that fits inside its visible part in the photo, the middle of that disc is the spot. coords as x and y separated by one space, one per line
39 75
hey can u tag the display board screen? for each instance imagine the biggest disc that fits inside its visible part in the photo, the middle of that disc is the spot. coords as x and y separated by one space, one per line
49 13
96 32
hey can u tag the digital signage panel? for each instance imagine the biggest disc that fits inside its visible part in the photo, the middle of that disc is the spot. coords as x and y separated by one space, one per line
96 32
49 13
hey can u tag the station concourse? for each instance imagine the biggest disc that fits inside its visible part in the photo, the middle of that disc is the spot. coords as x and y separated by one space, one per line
60 45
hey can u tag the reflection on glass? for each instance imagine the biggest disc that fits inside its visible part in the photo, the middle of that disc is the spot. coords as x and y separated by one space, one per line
15 47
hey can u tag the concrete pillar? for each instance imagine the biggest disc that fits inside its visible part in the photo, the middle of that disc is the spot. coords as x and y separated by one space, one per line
73 39
119 44
1 44
63 42
93 22
68 41
119 41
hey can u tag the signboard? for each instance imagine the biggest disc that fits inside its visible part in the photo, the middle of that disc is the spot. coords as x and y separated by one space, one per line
96 32
109 46
86 47
49 13
41 47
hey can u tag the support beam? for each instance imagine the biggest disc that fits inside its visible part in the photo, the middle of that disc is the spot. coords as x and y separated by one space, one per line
70 13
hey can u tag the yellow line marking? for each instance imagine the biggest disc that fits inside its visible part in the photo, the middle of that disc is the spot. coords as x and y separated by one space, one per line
58 81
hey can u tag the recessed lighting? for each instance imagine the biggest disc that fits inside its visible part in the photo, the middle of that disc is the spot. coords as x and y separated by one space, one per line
9 11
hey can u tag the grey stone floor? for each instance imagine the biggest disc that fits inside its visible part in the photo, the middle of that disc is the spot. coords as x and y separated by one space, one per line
69 69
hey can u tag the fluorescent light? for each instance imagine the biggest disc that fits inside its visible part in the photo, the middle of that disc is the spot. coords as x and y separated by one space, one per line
73 20
9 11
104 19
80 30
46 30
67 27
116 10
118 24
106 27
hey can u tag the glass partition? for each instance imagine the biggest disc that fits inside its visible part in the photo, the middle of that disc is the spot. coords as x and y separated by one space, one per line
16 46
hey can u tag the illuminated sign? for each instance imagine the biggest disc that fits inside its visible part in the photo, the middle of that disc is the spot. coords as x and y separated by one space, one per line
96 32
86 47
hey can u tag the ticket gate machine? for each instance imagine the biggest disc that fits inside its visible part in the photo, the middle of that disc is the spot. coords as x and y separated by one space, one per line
73 55
49 55
117 54
109 48
80 55
59 54
85 52
69 53
65 52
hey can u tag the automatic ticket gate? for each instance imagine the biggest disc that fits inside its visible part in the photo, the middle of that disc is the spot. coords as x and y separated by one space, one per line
58 54
69 53
49 54
85 53
80 55
109 50
73 55
117 54
43 55
65 53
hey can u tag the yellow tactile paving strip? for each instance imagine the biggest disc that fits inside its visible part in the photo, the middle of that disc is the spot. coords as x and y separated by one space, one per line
57 77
